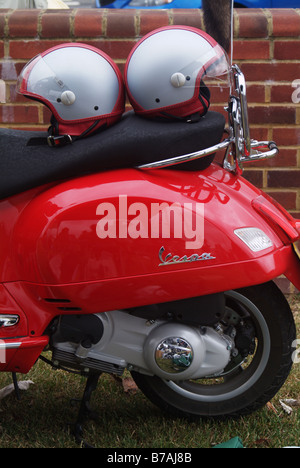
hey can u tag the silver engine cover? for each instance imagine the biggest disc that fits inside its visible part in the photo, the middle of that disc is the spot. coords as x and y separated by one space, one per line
169 350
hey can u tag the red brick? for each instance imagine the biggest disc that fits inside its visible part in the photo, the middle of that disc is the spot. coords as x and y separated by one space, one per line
19 114
287 50
54 25
284 178
282 93
121 67
29 49
15 97
88 23
252 23
255 93
46 115
23 23
115 49
251 50
191 17
121 23
219 108
267 71
255 177
286 199
286 22
10 70
272 115
259 133
151 19
219 94
285 136
285 158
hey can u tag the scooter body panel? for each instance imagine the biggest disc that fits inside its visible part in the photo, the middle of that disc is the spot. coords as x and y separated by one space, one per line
109 241
114 225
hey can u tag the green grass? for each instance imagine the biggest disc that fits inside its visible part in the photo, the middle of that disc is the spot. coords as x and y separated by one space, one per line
129 420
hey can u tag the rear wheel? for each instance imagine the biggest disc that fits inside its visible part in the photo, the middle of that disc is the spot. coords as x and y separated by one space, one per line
248 382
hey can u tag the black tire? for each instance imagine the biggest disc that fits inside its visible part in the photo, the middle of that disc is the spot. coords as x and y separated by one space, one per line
244 389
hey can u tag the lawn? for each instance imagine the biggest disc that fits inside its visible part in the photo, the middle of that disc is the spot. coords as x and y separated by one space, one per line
126 419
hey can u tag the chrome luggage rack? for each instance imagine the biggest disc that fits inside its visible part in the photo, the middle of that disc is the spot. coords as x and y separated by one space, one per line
239 147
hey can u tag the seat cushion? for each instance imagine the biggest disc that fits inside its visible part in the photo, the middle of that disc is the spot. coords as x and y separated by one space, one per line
132 142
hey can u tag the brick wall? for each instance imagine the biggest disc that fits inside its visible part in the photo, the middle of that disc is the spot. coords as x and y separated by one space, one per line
266 46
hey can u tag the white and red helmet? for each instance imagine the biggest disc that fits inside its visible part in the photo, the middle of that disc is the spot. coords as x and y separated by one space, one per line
166 71
80 84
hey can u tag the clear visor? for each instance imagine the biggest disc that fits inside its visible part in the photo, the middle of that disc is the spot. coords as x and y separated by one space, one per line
38 78
168 67
213 65
75 82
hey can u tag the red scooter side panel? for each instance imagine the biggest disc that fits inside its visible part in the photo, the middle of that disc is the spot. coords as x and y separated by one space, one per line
130 238
42 303
69 256
10 211
8 306
20 354
108 226
293 271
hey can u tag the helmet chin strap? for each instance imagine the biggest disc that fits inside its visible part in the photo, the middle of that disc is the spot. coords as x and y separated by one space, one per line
55 140
61 140
204 98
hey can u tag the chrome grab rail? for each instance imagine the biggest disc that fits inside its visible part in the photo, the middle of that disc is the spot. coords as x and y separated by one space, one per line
242 97
271 146
239 147
261 145
186 157
254 155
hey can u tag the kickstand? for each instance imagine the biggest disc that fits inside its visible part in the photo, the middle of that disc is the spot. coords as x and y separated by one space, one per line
16 386
85 412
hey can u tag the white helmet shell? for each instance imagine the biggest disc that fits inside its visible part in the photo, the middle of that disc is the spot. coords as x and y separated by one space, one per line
165 69
81 85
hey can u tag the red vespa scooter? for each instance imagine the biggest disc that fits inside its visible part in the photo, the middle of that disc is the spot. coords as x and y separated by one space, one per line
133 250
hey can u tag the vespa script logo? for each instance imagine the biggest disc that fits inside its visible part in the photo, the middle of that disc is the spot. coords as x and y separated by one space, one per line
296 93
157 221
171 259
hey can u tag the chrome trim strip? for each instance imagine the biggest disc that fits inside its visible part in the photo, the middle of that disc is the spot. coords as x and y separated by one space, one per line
260 145
8 320
254 156
239 147
6 345
241 90
186 157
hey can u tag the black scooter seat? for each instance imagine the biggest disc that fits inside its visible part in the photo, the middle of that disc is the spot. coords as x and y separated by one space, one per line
132 142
